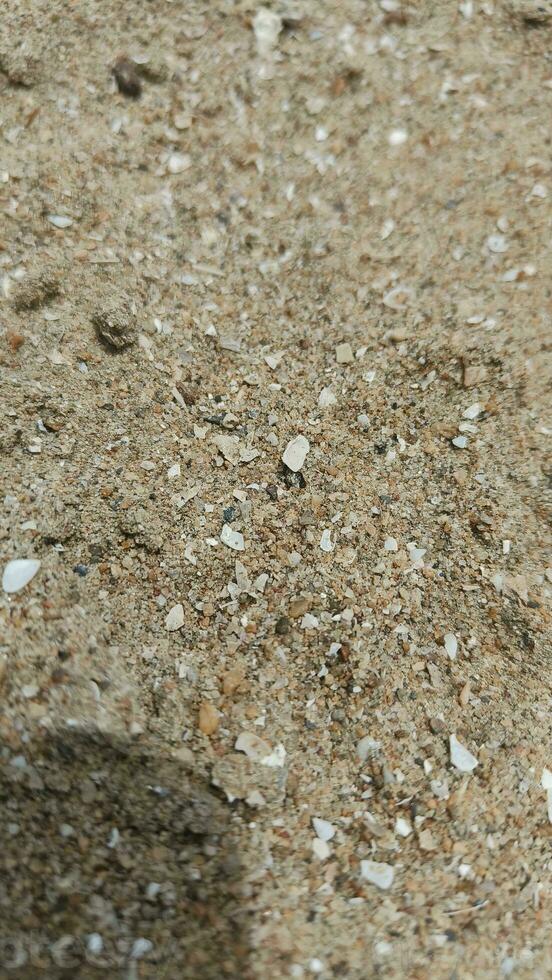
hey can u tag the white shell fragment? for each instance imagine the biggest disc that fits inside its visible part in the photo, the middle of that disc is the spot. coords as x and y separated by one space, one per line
174 619
326 543
497 244
461 757
321 849
178 163
460 442
377 873
451 645
323 829
296 453
326 398
267 26
18 573
473 411
546 783
60 220
232 539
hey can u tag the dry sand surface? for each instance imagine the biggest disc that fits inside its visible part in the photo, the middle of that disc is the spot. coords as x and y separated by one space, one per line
275 351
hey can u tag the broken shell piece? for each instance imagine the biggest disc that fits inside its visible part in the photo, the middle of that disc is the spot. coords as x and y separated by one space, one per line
18 573
296 453
377 873
232 539
174 619
461 757
323 829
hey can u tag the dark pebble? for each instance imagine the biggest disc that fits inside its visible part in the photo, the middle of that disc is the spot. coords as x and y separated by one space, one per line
81 570
127 78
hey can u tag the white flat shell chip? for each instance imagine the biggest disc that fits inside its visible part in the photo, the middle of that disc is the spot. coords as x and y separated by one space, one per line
403 827
546 783
256 749
461 757
473 411
326 398
451 645
390 544
232 539
18 573
178 163
460 442
296 453
174 619
321 849
377 873
326 542
399 297
367 746
497 244
267 26
323 829
60 220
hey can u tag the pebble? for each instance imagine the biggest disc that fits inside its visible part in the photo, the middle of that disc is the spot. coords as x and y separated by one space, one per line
94 943
461 757
460 442
266 26
116 326
390 544
209 718
232 539
18 573
127 78
296 453
367 746
378 873
174 619
402 827
253 746
363 421
344 353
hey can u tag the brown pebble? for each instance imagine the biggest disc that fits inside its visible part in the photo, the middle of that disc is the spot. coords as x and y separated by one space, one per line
232 680
298 607
127 78
209 719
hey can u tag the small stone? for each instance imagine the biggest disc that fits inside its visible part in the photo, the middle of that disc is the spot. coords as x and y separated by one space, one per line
390 544
298 607
116 326
232 539
175 618
282 626
344 354
323 828
451 645
173 471
18 573
296 453
127 78
377 873
460 442
266 26
474 375
209 719
363 421
35 291
461 758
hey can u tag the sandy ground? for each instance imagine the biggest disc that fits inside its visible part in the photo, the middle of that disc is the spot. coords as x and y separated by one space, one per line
264 720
